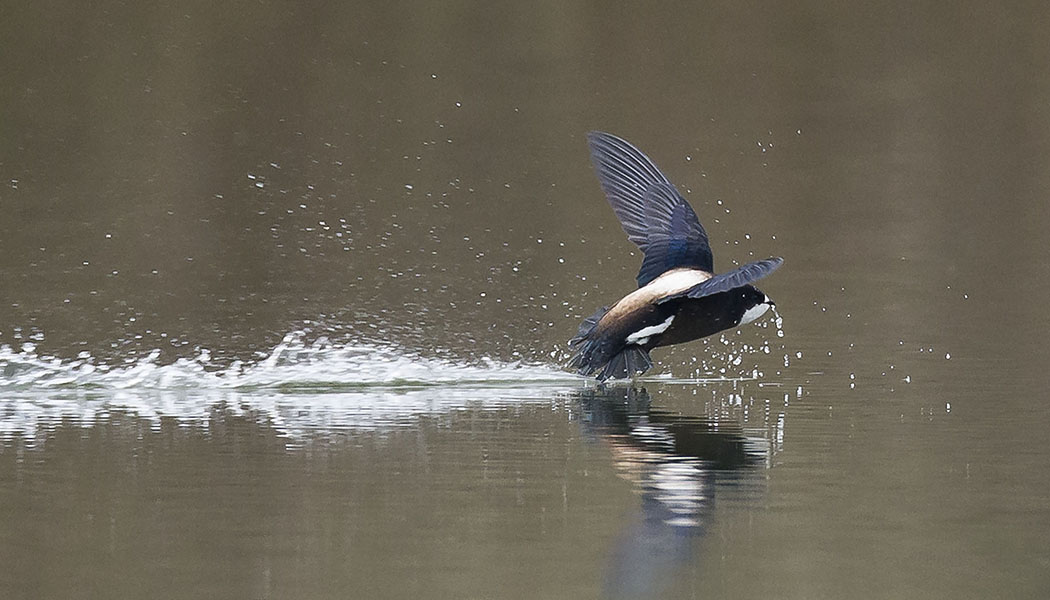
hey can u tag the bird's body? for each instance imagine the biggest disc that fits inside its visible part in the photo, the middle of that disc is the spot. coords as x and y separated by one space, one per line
679 298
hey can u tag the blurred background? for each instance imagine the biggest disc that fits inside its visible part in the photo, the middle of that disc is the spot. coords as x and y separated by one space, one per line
205 210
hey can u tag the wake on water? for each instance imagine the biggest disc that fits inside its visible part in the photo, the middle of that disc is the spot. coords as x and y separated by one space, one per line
293 364
299 386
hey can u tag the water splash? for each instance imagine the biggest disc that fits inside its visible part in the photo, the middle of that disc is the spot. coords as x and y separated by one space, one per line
300 389
730 357
292 364
303 389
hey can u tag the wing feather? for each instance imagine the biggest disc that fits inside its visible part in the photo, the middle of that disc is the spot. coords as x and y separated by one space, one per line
652 213
729 280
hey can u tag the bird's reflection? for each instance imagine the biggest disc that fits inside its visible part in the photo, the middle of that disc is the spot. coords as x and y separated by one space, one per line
676 463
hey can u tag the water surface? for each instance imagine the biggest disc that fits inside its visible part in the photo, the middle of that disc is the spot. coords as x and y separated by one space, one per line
284 296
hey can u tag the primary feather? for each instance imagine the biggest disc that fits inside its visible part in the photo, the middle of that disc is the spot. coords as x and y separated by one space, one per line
653 214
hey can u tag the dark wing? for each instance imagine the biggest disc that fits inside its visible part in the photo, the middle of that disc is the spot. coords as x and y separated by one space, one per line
676 238
651 211
731 280
625 173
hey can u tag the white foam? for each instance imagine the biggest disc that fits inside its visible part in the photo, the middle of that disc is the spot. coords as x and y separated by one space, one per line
298 387
293 362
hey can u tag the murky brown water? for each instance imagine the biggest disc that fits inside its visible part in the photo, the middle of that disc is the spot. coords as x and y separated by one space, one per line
284 294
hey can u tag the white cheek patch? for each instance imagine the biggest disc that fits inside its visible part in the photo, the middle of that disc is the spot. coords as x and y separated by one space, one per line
642 335
754 312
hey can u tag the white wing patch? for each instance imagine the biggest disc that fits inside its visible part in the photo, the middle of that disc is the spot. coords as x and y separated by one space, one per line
642 336
671 282
674 281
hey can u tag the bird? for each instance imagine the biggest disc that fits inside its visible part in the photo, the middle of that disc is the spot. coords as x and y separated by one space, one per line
679 296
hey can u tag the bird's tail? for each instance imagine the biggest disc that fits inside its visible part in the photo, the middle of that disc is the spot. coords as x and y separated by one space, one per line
587 327
632 360
587 352
591 354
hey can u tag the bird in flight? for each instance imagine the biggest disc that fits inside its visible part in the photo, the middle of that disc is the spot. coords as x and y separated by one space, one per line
679 297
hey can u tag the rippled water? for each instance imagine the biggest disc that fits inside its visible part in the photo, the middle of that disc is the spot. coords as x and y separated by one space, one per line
285 295
455 477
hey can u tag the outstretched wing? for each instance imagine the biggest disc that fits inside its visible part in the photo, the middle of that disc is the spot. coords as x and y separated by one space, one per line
730 280
676 238
651 211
